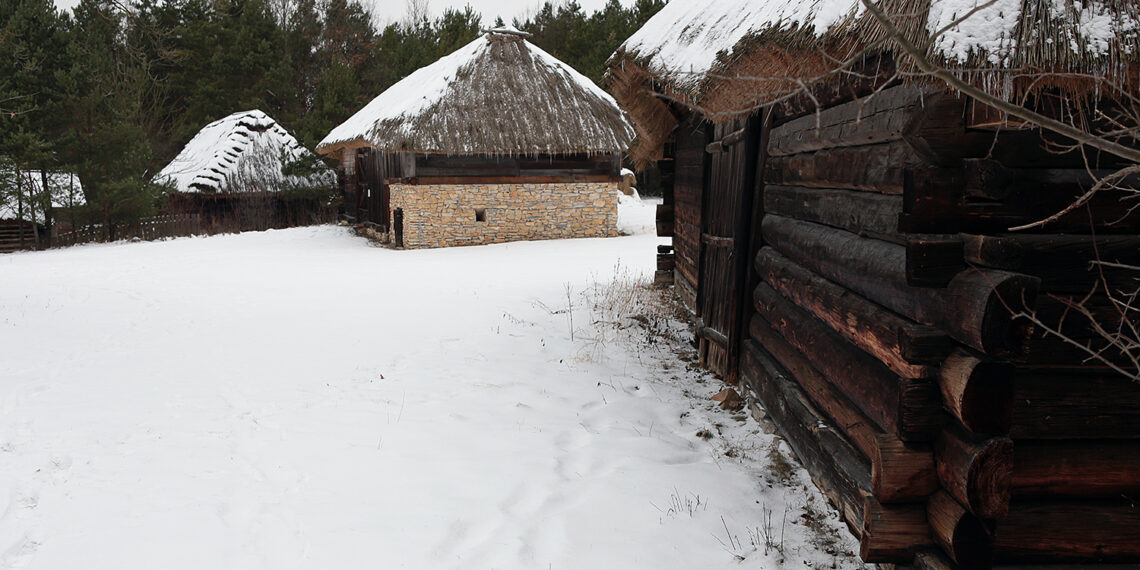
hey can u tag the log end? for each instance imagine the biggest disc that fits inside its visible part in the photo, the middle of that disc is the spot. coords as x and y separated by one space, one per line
892 533
1003 331
901 471
979 393
964 537
989 480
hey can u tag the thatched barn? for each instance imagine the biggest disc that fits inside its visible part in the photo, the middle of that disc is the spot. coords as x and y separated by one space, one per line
843 192
246 172
498 141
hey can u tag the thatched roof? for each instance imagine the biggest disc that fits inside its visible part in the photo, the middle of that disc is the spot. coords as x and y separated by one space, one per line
244 152
726 57
497 95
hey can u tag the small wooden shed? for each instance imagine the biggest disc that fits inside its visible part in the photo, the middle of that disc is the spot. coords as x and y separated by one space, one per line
498 141
246 172
842 227
30 215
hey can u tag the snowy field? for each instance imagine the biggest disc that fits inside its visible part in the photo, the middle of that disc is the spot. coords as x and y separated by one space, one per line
303 399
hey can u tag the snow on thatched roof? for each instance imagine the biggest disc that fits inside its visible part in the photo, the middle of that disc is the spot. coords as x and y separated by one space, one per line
686 41
682 41
497 95
726 57
65 191
244 152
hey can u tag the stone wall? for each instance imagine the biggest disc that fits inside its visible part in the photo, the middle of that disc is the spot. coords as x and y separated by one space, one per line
441 215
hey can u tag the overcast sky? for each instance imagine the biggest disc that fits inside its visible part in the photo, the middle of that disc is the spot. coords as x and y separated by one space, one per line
395 10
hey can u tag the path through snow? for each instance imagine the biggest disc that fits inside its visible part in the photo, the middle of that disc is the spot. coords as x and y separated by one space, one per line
302 399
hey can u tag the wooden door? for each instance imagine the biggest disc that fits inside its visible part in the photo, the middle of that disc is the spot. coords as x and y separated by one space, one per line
725 241
374 189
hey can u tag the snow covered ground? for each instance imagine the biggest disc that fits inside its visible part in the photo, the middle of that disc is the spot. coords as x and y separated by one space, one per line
303 399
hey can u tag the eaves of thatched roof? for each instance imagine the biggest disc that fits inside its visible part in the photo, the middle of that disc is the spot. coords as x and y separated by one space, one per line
498 95
242 153
727 57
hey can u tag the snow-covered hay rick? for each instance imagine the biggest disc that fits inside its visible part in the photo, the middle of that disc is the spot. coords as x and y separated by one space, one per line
246 172
498 141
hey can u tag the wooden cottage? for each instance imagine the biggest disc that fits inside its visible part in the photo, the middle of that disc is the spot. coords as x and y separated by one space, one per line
843 222
498 141
246 172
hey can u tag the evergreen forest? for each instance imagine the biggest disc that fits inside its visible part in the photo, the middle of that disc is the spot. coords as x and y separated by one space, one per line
112 90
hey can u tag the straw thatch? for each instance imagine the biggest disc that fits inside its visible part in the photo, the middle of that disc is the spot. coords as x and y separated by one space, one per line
246 152
498 95
726 58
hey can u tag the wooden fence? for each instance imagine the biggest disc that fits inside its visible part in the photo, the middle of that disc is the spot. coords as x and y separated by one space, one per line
157 227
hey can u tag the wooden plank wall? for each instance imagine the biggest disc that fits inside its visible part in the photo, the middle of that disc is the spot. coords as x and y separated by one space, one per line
887 341
726 213
690 166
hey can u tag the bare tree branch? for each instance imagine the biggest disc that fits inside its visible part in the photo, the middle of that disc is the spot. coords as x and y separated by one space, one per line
920 60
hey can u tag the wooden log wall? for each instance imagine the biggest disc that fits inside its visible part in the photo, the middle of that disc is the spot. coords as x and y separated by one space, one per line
892 337
690 165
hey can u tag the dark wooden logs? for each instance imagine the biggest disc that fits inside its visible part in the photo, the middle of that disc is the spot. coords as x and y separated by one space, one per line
1048 533
933 261
979 393
526 178
664 220
1065 263
874 168
907 348
933 560
837 469
892 533
992 180
932 122
1109 468
857 212
899 471
962 536
907 407
976 473
1074 403
977 307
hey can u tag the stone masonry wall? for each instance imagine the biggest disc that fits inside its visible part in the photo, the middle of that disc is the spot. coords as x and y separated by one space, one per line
469 214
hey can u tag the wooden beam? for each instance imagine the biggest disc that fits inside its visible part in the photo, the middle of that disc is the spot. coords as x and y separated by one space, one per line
1065 263
521 179
1108 468
932 260
961 535
1074 403
976 472
929 120
899 471
977 307
907 407
1053 532
893 533
873 168
906 347
856 212
991 180
978 392
837 469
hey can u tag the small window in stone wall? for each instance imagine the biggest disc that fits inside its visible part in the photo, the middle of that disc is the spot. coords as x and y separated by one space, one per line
480 214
